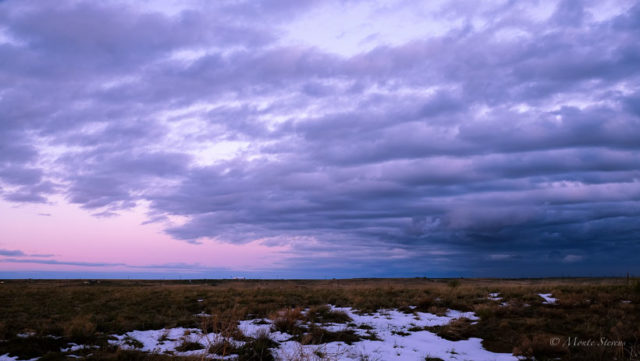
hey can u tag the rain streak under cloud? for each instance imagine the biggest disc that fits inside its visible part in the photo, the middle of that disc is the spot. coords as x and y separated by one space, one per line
321 138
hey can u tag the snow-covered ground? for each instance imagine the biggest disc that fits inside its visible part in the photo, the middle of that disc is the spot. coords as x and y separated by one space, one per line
168 340
386 335
399 337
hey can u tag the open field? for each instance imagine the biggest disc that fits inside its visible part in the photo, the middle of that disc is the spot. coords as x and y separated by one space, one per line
412 319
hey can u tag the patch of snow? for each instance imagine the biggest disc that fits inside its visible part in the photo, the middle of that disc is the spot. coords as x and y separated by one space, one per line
494 296
75 347
453 314
626 301
26 334
391 327
548 300
202 314
253 328
6 357
415 346
167 340
72 347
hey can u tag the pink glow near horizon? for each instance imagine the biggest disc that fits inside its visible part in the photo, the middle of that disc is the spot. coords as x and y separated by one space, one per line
71 234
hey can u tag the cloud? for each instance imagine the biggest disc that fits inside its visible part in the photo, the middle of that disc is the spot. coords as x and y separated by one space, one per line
11 253
509 135
500 257
56 262
18 253
122 270
572 258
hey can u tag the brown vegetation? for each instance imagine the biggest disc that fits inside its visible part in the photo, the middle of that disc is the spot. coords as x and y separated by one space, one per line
58 312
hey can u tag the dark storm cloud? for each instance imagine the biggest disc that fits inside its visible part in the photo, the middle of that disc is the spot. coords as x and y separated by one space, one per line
465 153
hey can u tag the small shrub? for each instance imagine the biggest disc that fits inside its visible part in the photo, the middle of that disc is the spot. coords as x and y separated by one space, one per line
189 346
288 321
400 333
222 348
371 336
80 329
325 314
257 349
130 341
429 358
224 323
438 310
164 337
484 311
458 329
424 304
453 283
318 335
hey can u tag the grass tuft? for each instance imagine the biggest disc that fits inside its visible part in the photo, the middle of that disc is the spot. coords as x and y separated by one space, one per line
289 321
324 314
318 335
258 349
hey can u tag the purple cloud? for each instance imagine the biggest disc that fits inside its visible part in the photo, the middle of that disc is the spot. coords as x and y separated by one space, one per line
507 137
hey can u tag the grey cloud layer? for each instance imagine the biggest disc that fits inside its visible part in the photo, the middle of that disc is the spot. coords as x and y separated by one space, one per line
466 153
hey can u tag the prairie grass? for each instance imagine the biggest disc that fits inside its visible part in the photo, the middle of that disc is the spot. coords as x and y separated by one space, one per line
59 312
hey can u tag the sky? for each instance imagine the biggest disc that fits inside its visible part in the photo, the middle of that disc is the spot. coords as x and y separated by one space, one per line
319 139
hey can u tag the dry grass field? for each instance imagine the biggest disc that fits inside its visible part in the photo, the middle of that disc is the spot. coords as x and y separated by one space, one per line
591 319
